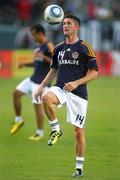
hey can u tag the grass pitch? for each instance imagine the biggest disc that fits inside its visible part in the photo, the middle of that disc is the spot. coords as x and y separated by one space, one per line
22 159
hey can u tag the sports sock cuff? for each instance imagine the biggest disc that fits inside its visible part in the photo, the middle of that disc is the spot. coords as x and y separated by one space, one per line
79 162
40 132
79 158
53 121
18 119
54 125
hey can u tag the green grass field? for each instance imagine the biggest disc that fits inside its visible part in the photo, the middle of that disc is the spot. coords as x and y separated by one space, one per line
21 159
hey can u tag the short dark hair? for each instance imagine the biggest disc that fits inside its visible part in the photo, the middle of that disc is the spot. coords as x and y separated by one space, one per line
38 28
76 19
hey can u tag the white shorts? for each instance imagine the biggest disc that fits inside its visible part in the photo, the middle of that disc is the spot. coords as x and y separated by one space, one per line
28 87
76 106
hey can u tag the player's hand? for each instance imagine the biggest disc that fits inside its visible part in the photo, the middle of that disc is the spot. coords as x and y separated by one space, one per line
70 86
38 92
21 65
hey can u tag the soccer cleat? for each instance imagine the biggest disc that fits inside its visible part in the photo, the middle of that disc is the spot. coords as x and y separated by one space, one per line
36 137
78 173
16 127
54 137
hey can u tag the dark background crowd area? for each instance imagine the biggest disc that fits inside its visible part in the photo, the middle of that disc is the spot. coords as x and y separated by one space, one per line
17 16
21 11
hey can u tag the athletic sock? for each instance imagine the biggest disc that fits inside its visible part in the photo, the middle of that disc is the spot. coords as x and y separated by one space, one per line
79 162
40 132
18 119
54 125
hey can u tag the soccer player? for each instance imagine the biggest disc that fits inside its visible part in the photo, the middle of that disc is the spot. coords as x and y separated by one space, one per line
42 59
74 63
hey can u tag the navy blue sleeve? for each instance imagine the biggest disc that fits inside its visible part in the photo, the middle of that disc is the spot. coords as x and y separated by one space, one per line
89 56
91 62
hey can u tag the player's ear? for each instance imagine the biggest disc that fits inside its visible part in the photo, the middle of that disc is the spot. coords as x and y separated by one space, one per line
78 27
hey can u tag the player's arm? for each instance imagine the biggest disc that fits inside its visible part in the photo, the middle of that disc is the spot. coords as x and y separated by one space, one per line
91 75
50 49
28 64
46 55
46 58
48 79
89 59
42 56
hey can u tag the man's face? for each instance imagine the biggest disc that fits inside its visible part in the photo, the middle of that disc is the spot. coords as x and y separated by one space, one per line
69 26
36 36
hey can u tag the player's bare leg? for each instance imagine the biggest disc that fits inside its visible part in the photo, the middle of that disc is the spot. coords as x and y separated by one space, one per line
39 115
50 101
17 108
17 102
39 121
80 151
80 142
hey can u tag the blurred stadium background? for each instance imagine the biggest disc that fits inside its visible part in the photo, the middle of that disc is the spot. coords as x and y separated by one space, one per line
23 160
100 26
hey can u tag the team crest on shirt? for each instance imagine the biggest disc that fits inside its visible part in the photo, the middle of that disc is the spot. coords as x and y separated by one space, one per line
75 55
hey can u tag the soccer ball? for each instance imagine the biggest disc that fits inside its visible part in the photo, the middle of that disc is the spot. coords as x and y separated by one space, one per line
53 14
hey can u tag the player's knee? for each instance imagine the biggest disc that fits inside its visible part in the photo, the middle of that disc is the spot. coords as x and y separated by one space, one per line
78 133
16 94
46 98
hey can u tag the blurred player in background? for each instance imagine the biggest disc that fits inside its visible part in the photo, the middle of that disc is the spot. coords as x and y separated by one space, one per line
42 59
74 63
